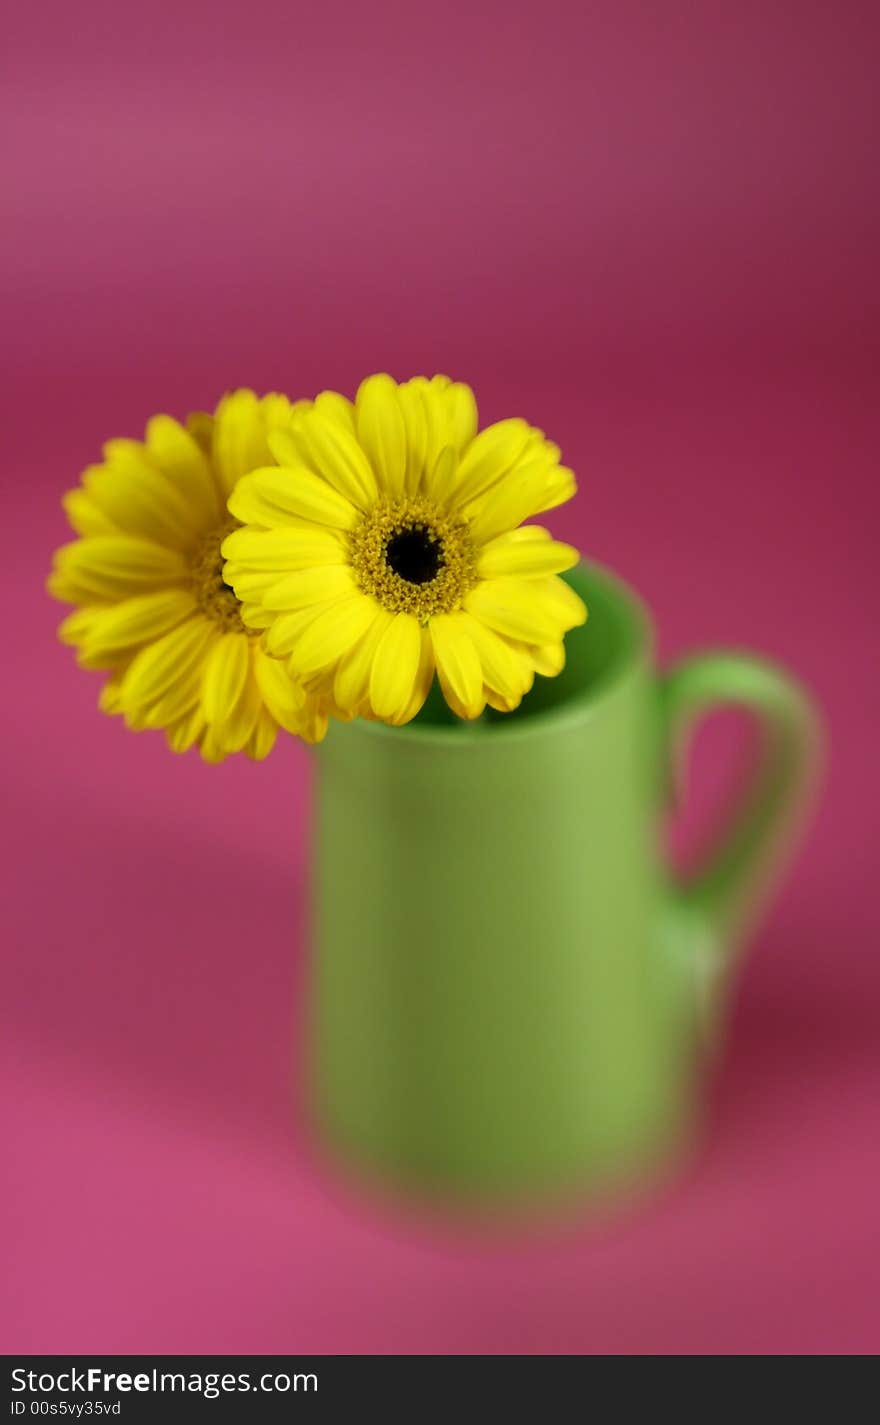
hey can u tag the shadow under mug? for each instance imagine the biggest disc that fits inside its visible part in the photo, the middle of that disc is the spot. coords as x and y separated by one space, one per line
510 995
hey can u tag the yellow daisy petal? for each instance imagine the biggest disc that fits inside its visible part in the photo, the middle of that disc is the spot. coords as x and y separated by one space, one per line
328 447
104 568
286 630
249 586
135 719
458 663
135 621
462 408
423 680
211 747
242 428
352 679
255 616
108 698
559 487
507 554
515 609
77 627
505 670
177 702
276 410
99 661
527 532
168 661
489 455
262 739
549 659
284 447
276 496
450 415
186 731
438 482
85 517
183 690
136 497
282 695
312 726
238 720
200 425
381 431
536 486
569 609
283 550
329 636
310 586
499 702
394 668
226 669
331 404
415 420
171 447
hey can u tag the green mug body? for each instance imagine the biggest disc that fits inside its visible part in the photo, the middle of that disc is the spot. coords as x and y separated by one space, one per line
509 994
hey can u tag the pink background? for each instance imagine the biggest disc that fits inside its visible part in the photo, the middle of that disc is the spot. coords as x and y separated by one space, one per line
653 230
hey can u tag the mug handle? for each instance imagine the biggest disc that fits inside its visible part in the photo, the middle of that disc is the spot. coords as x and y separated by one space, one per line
724 897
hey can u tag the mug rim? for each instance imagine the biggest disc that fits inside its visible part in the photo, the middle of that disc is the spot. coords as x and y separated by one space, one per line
629 656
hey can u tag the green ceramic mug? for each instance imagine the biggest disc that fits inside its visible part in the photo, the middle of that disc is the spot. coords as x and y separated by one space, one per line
510 992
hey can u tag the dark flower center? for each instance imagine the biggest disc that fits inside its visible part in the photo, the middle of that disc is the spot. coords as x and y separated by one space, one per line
215 597
415 554
413 557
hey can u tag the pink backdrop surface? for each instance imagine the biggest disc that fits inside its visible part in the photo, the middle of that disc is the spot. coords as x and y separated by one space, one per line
652 230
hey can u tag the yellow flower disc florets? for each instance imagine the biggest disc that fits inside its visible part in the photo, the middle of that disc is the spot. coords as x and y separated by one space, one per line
413 558
214 597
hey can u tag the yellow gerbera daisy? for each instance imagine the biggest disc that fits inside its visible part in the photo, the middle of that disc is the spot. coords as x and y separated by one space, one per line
385 544
146 573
